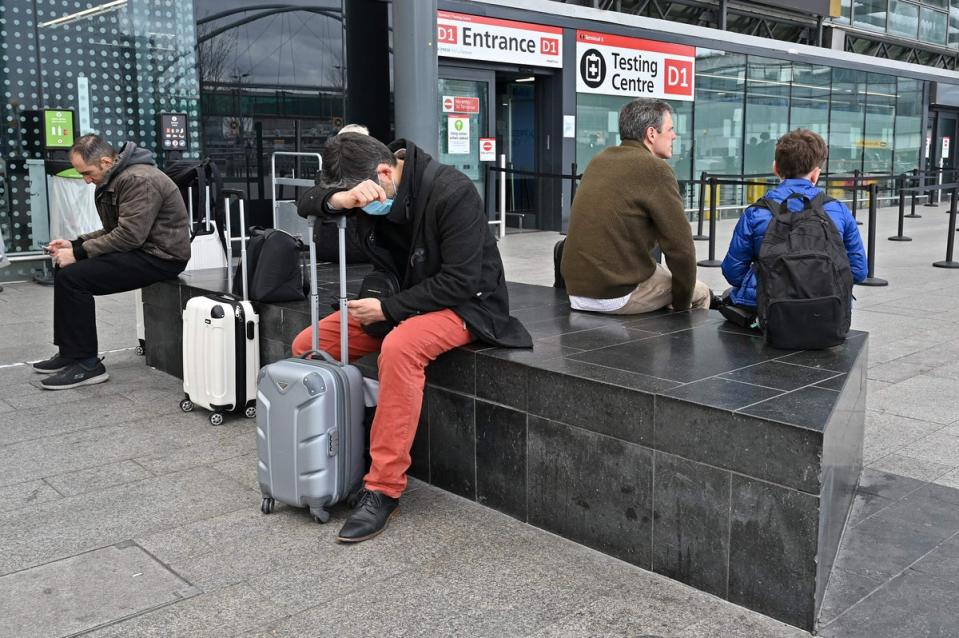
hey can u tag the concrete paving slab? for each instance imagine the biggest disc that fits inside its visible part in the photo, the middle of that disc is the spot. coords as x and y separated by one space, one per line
68 526
86 591
241 469
910 467
98 478
887 433
223 613
922 397
950 479
19 495
740 624
913 604
237 437
84 449
937 447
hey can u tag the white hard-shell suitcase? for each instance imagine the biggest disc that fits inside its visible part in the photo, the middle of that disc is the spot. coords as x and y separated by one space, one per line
309 418
221 345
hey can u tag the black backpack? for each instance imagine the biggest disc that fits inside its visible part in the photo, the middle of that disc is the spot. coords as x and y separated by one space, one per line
804 284
197 175
276 267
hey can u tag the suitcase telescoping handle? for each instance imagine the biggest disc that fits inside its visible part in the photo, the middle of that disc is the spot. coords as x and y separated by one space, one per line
229 242
315 297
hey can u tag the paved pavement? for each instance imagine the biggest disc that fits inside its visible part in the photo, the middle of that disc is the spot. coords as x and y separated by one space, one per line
122 516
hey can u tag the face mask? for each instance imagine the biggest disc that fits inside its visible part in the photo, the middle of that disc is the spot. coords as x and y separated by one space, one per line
376 207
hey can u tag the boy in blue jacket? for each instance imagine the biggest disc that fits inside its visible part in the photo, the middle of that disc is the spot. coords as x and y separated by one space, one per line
798 162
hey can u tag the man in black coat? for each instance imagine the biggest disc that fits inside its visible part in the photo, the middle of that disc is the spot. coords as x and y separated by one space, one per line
422 223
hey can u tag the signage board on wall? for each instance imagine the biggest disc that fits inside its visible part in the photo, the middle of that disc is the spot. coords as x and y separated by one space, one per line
457 135
945 148
487 147
173 131
632 67
460 35
460 104
58 128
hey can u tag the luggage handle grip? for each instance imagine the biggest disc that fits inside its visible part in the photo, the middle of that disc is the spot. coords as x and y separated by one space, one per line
323 355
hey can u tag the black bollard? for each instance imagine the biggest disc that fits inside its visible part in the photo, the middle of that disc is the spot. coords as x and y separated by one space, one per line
901 180
572 190
871 279
912 200
855 195
951 240
712 262
699 236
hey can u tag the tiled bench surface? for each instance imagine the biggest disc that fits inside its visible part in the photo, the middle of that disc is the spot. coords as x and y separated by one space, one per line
676 442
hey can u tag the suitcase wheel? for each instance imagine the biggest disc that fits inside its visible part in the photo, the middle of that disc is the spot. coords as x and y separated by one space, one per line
186 405
140 351
267 505
320 516
216 418
250 412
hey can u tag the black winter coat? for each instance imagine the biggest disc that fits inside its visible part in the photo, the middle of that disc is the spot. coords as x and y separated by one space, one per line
454 261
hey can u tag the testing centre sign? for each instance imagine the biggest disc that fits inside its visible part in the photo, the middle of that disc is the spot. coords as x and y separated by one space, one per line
460 35
632 67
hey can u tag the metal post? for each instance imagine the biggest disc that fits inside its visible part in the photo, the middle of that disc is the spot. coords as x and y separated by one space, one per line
416 74
702 208
855 194
914 181
712 262
871 279
573 185
901 180
502 196
951 240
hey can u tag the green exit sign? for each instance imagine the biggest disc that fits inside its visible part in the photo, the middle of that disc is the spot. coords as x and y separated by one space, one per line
58 128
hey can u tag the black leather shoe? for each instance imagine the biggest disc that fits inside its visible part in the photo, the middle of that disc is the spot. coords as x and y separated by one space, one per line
715 301
373 511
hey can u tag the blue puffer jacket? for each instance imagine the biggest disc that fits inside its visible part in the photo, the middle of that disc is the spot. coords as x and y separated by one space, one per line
748 236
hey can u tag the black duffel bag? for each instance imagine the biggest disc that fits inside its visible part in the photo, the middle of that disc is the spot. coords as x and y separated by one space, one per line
276 267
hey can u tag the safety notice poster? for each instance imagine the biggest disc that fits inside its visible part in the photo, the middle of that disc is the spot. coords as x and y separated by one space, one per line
458 135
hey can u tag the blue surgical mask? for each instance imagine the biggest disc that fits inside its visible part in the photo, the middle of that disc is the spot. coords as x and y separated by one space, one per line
376 207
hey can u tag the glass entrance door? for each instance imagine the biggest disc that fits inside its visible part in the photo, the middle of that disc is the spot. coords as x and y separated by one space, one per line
464 118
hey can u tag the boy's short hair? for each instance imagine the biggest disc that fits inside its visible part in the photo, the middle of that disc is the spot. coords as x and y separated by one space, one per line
800 152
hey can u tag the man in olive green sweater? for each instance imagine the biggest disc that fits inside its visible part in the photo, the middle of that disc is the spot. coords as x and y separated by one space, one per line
628 203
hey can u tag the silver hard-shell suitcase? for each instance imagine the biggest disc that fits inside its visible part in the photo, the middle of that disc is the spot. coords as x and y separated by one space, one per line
309 418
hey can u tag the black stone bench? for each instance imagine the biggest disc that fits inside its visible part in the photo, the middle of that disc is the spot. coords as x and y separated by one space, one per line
676 442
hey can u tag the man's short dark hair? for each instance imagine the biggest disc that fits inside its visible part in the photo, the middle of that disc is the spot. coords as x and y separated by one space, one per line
800 152
350 158
639 115
92 147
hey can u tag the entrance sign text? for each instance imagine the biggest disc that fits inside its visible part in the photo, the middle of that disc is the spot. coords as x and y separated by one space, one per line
460 35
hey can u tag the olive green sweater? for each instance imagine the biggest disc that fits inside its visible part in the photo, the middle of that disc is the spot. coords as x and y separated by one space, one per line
627 202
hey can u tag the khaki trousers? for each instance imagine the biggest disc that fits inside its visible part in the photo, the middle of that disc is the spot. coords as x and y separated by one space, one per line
657 292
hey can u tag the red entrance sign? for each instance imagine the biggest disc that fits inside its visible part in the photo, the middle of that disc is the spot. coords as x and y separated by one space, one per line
679 77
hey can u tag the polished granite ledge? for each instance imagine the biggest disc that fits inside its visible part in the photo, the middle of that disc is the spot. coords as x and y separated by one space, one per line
673 441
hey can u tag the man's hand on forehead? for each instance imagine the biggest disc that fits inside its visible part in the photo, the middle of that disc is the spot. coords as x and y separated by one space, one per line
359 196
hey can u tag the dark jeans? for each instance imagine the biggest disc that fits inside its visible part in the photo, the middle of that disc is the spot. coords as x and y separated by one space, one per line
74 313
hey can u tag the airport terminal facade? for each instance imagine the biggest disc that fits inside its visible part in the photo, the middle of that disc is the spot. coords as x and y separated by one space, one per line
539 82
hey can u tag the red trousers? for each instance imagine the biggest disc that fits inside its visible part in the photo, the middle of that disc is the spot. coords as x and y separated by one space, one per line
404 355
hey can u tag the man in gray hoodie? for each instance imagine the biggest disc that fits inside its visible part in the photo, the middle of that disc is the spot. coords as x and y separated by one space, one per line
145 239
